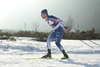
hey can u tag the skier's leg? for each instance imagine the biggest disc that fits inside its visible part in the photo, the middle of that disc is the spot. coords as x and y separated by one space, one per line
51 37
58 40
59 35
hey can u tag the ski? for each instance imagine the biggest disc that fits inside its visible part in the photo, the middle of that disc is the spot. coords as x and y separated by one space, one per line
41 58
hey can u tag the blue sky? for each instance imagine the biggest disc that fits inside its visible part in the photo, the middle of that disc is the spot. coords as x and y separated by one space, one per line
15 13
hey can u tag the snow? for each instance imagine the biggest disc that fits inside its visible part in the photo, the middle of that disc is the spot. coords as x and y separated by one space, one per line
14 53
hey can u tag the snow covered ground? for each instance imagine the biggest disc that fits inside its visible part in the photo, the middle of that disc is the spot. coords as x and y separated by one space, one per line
14 53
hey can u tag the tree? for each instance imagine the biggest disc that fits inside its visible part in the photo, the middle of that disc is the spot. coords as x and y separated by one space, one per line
70 22
0 30
35 27
25 26
77 29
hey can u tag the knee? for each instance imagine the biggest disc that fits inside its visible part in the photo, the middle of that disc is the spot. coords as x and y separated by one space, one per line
48 40
57 43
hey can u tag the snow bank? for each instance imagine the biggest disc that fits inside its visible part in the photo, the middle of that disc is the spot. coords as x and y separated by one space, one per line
14 53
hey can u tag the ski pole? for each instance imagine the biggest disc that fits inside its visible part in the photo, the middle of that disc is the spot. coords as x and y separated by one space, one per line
86 39
82 41
86 44
94 42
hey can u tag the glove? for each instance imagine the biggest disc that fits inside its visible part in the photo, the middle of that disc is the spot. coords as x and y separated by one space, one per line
67 28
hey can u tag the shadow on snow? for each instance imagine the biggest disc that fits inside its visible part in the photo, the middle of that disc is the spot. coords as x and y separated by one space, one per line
23 48
78 63
85 52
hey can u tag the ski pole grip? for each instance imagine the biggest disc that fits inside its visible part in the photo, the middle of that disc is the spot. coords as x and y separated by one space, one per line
67 28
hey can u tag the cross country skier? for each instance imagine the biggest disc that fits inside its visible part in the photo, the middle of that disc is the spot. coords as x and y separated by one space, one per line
56 34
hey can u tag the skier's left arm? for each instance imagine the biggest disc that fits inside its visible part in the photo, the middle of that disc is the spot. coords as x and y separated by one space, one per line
63 24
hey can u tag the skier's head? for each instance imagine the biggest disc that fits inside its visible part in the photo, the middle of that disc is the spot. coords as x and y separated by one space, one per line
44 11
44 14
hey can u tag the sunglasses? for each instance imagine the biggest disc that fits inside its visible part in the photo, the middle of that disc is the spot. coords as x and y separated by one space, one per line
41 14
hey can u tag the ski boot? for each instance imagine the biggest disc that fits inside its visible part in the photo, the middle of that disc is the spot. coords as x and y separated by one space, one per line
48 55
65 55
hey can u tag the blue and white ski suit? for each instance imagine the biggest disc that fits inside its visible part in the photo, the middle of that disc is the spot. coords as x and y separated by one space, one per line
57 32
